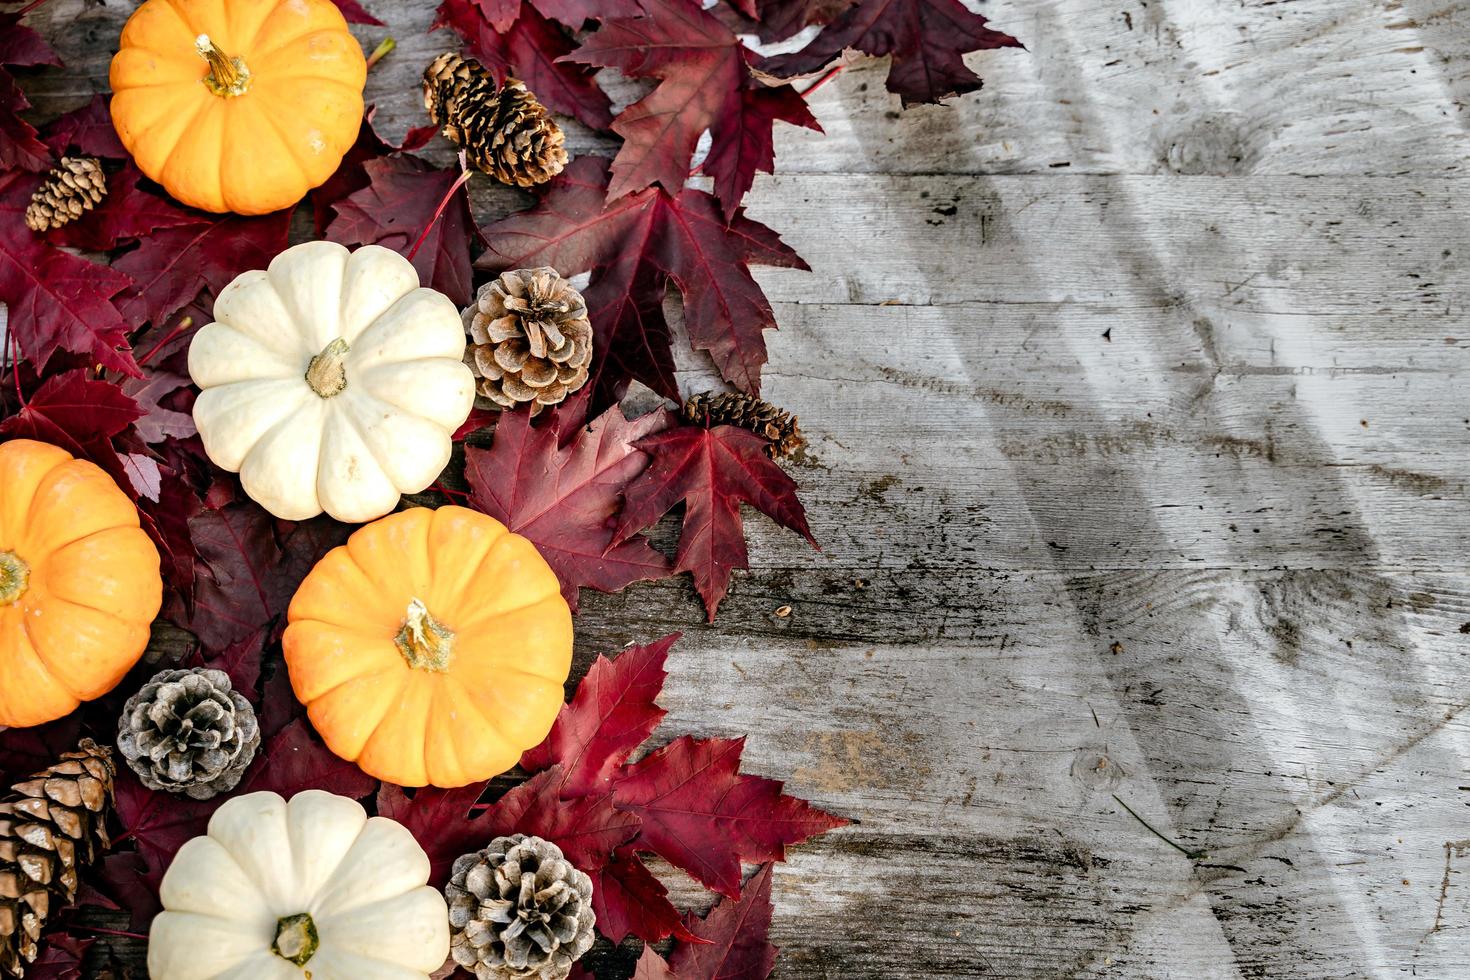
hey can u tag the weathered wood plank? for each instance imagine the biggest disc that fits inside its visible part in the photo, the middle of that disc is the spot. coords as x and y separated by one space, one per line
1212 563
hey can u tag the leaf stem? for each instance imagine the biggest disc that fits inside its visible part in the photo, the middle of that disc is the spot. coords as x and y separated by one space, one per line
384 48
831 74
439 211
184 324
1192 855
112 932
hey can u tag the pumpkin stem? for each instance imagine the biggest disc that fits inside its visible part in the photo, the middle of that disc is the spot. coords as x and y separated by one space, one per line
425 643
327 374
296 938
15 575
228 77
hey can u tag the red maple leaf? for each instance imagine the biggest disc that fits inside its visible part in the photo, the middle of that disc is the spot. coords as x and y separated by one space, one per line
56 300
560 485
85 409
612 714
21 47
588 829
128 212
702 815
529 47
629 900
713 471
575 13
742 140
683 237
927 39
157 422
735 946
700 65
394 210
170 266
87 130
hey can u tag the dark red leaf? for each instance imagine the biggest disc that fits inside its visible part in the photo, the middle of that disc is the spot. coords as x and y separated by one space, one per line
928 40
629 900
701 67
560 485
128 212
24 751
395 208
294 761
587 829
713 471
499 13
530 49
88 131
56 300
158 423
650 966
781 19
350 175
742 141
61 958
700 814
439 820
632 340
735 947
685 237
612 714
19 147
127 880
575 13
170 266
356 14
22 47
84 408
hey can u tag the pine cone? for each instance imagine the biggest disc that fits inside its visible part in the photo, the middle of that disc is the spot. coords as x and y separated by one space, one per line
188 732
51 826
530 338
764 419
503 130
518 910
75 186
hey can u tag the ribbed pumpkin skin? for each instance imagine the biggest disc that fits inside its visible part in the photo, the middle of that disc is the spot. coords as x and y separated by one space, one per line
252 153
412 726
83 619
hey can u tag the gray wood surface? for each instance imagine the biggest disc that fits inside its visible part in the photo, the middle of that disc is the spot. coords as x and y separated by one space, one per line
1135 386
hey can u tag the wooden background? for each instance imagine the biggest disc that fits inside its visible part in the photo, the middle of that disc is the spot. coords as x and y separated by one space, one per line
1136 391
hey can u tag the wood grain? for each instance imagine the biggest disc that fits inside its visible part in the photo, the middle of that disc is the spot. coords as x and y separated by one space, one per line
1136 389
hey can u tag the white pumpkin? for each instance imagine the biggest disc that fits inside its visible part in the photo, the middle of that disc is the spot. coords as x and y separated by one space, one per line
307 890
331 382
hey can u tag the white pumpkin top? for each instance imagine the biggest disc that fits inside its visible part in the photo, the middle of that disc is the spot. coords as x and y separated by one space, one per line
331 382
265 865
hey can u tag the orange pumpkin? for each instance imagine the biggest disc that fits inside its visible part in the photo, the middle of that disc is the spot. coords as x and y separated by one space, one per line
238 105
79 583
431 648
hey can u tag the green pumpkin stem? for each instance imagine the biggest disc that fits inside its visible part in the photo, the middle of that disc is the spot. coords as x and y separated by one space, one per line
296 939
425 643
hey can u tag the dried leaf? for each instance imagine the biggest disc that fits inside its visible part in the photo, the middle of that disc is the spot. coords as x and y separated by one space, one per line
735 947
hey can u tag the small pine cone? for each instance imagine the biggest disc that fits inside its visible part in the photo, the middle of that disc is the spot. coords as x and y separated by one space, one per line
51 827
503 130
444 82
188 731
777 426
75 186
519 910
530 339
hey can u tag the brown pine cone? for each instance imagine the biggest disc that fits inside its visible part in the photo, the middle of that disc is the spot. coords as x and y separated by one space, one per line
503 130
75 186
530 339
51 826
777 426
